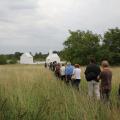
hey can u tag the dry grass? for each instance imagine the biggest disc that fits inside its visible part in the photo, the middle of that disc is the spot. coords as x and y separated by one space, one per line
31 92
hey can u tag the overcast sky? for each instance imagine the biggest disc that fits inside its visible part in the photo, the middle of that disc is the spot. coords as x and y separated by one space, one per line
40 25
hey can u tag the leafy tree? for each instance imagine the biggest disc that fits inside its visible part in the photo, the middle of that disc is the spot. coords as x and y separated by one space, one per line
12 61
111 43
80 46
40 56
17 55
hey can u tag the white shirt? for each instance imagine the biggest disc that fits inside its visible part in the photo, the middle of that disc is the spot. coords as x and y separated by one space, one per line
62 70
77 72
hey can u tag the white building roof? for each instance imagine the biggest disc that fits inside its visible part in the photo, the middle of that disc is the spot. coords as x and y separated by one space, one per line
26 55
26 58
52 57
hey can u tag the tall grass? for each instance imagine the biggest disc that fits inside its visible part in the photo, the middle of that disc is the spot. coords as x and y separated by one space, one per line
30 92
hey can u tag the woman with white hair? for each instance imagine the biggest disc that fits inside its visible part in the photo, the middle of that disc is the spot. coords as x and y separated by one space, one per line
106 78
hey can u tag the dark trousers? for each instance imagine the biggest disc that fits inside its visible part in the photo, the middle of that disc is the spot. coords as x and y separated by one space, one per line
105 94
76 83
62 77
68 79
57 74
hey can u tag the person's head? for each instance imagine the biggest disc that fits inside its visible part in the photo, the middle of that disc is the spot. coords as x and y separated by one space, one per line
105 63
77 66
92 60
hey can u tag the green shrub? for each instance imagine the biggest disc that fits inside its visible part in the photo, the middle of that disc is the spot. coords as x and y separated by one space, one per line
13 61
3 60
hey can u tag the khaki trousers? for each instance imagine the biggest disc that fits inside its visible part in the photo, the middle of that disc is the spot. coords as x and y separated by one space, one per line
94 89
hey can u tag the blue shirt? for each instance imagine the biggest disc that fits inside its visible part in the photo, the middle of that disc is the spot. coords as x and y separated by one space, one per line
69 70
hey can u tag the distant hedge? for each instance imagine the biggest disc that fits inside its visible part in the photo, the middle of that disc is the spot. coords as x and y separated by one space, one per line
3 60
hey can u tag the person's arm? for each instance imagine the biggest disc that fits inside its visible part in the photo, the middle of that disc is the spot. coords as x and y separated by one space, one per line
86 70
73 71
66 71
99 70
101 75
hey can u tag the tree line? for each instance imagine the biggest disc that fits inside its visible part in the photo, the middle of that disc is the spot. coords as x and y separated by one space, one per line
10 58
14 58
80 46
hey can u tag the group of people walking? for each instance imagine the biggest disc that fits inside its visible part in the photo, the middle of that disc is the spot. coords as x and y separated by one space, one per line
98 79
70 74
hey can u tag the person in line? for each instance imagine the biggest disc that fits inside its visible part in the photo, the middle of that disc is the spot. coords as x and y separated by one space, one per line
54 65
119 92
106 78
91 73
45 65
68 72
57 70
77 76
62 72
50 65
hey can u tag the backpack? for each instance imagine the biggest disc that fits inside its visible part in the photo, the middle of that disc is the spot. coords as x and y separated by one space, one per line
90 76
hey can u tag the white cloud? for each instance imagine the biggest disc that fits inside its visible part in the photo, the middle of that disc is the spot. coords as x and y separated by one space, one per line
43 24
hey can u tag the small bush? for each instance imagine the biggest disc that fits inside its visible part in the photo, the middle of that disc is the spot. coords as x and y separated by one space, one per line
12 61
3 60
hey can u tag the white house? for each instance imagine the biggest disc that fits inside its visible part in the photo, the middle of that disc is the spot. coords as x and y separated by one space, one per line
26 58
52 57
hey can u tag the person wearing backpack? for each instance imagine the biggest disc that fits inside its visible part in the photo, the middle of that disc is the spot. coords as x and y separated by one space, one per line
92 73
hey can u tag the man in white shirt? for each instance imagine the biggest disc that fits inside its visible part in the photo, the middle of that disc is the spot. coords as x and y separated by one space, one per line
62 72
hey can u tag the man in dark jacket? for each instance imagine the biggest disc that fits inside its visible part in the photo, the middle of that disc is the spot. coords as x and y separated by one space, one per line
92 73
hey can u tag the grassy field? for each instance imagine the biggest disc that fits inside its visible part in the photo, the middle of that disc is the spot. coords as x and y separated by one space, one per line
31 92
